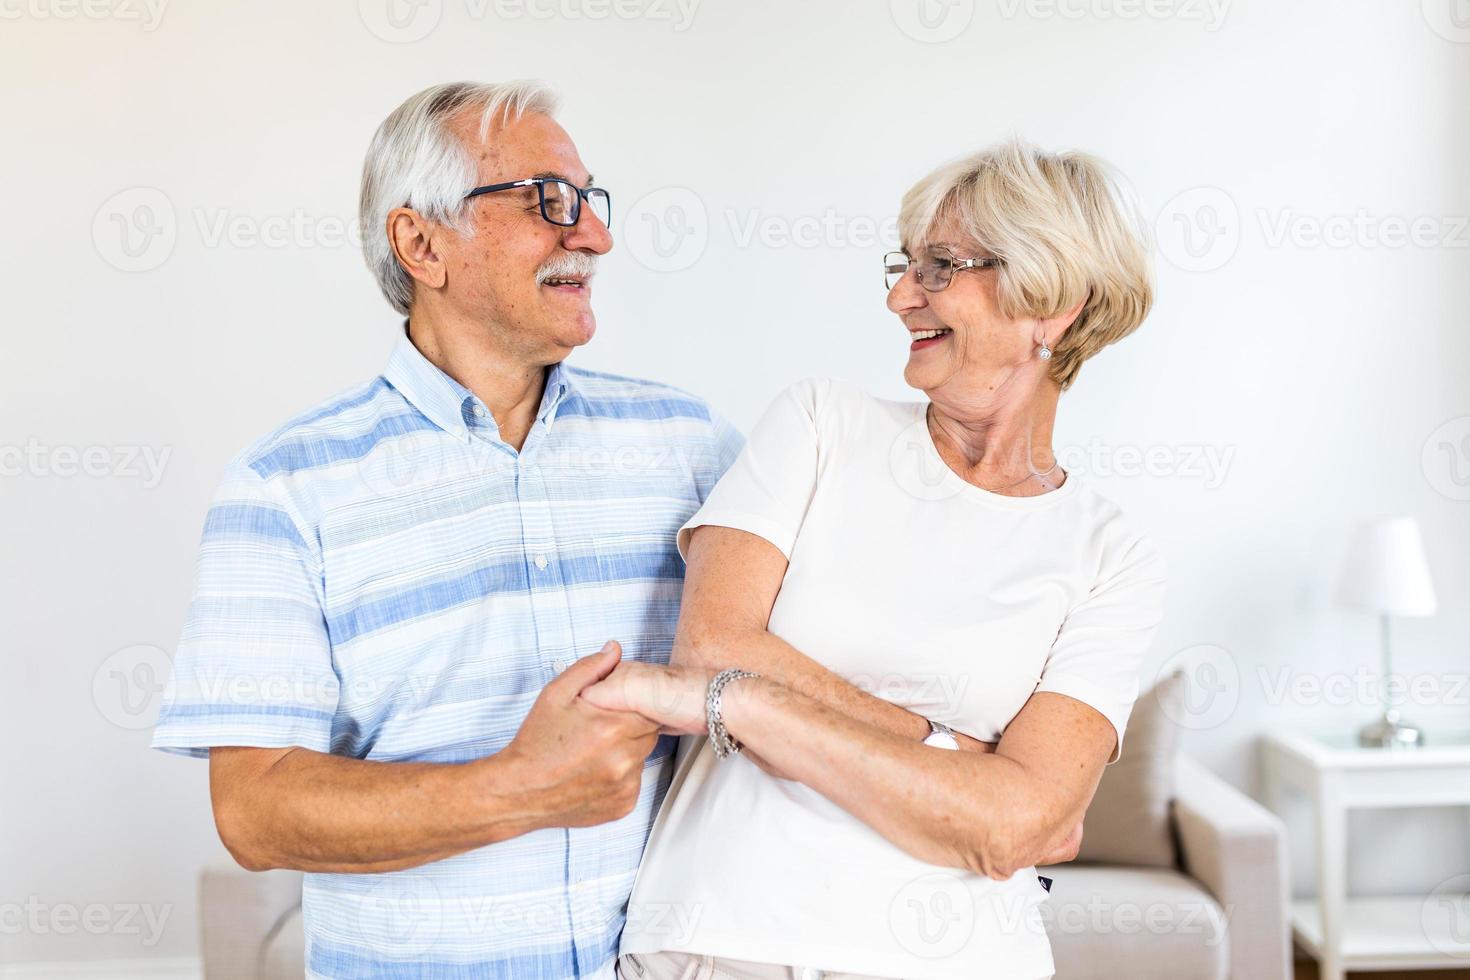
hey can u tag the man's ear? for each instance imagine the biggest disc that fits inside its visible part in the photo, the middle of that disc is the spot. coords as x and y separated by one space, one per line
411 236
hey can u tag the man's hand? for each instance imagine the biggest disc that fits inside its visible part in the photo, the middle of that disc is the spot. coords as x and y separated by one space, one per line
582 763
570 765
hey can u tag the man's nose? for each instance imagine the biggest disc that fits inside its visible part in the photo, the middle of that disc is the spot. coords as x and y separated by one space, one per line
589 234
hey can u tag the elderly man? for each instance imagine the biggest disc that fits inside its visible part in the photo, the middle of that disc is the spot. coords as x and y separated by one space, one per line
402 592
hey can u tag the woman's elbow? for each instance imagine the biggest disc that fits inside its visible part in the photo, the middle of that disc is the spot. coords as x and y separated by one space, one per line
998 848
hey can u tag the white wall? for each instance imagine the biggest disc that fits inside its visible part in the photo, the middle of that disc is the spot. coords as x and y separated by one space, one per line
1316 372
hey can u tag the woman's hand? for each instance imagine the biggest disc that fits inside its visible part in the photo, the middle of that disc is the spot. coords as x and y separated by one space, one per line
673 696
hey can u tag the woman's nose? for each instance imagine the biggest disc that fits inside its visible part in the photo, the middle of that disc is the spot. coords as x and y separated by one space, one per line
906 295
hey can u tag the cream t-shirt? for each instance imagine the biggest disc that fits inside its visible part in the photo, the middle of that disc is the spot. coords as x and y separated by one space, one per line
936 595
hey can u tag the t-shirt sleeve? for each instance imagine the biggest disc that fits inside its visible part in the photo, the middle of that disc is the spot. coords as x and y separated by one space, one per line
726 442
1101 645
254 664
770 485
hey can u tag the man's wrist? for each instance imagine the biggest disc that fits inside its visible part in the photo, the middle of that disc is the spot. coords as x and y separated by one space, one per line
507 802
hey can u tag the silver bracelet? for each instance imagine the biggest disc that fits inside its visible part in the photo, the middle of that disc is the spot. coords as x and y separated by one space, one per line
724 744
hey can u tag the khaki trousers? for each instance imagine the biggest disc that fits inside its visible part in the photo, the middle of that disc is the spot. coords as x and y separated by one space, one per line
690 966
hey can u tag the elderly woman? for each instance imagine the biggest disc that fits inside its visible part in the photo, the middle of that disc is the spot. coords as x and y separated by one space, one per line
912 638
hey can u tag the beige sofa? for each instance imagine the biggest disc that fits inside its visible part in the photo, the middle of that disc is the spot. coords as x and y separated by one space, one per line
1222 913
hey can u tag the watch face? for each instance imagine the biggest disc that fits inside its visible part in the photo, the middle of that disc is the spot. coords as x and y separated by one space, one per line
942 740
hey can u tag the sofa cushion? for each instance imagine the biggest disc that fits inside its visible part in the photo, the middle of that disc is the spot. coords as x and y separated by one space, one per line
1139 923
1128 821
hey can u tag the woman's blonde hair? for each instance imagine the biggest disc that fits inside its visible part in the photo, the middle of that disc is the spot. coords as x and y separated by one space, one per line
1065 229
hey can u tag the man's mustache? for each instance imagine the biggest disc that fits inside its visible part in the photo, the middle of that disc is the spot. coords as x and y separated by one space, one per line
568 265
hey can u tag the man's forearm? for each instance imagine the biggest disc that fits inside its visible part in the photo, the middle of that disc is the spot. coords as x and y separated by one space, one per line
315 812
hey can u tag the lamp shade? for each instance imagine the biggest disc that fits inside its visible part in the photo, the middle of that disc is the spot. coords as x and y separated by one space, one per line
1386 570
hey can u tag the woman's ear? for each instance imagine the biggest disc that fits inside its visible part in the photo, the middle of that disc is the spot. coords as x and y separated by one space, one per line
1052 329
411 236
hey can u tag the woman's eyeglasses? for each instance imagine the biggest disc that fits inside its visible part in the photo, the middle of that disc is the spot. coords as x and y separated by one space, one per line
935 267
561 200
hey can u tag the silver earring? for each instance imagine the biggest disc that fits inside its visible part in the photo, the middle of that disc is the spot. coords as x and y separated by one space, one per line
1045 352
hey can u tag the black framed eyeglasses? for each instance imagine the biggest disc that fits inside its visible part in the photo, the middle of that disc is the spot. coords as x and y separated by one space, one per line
561 200
935 267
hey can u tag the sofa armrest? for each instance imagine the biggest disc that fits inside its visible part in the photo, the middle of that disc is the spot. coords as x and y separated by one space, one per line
240 912
1236 848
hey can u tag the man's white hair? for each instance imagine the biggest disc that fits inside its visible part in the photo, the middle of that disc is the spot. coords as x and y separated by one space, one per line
415 161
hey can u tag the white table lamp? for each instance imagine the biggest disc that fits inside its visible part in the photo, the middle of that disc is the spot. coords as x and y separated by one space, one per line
1387 573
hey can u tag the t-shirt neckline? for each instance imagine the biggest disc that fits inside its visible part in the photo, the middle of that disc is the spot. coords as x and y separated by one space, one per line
933 458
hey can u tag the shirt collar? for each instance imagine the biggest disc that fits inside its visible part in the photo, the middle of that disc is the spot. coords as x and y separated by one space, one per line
443 400
558 386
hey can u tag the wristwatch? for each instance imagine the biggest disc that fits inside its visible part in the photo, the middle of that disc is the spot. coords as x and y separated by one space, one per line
941 736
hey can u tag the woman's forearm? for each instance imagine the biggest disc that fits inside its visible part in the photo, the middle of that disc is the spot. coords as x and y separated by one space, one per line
763 652
982 812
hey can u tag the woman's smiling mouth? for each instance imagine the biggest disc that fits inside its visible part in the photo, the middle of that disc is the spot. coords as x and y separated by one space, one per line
928 338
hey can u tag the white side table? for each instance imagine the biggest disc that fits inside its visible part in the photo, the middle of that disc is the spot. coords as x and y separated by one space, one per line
1336 774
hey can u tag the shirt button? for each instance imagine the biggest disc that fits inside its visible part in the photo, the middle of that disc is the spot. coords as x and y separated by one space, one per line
558 665
541 562
479 411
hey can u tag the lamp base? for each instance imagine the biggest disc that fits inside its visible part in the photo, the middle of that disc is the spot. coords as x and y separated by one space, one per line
1389 732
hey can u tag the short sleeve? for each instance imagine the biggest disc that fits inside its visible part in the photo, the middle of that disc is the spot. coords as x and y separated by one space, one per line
726 441
1100 647
768 488
254 664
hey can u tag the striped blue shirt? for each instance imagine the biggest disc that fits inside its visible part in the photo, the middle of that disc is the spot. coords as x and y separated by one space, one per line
384 578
